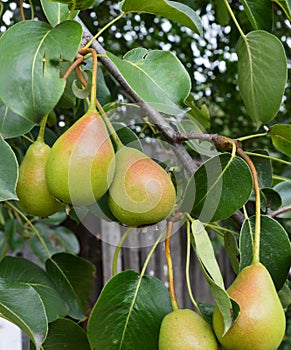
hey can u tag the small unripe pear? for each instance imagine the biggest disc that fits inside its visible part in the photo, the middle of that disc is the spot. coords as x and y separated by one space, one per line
80 165
184 329
142 192
261 322
34 196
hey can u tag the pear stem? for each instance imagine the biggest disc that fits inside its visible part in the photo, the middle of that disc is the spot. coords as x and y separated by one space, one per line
188 254
118 248
110 127
103 29
19 212
92 106
257 234
234 19
173 297
42 129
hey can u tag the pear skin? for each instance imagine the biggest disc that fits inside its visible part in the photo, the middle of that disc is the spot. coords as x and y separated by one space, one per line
142 192
184 329
34 196
80 166
261 322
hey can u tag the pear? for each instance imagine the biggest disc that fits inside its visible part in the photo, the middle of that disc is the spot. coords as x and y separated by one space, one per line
142 192
34 196
80 166
184 329
261 322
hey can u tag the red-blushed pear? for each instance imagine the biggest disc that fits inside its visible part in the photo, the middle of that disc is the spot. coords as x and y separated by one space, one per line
261 322
142 192
80 166
184 329
34 196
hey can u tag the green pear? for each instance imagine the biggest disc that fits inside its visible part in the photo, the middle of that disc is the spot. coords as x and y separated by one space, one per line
34 196
79 168
142 192
184 329
261 322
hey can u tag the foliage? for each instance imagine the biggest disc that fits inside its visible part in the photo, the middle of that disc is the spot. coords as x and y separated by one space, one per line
209 82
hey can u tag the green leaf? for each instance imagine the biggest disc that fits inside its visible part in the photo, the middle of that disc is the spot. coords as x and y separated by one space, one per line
260 13
284 189
128 313
22 305
76 4
275 252
24 271
157 76
11 124
30 81
65 334
218 188
172 10
8 171
210 268
56 12
57 239
262 74
270 199
264 168
73 279
127 136
281 137
286 7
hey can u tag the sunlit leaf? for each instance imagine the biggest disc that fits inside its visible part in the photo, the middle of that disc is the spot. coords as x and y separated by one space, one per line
170 9
262 74
157 76
30 79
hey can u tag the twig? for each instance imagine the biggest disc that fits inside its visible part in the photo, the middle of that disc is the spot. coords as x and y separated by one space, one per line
280 211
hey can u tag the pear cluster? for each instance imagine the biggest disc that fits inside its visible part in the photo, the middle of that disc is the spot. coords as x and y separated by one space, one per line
83 165
260 324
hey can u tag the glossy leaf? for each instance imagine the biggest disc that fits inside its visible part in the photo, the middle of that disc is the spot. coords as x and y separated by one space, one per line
262 74
22 305
128 313
157 76
8 172
11 124
73 279
56 12
30 81
286 7
24 271
275 252
172 10
284 189
210 268
260 13
76 4
218 188
281 137
270 199
65 334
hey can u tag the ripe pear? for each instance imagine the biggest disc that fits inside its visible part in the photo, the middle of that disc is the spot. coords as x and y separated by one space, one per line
184 329
261 322
34 196
79 168
142 192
